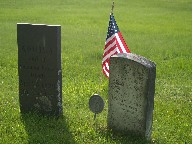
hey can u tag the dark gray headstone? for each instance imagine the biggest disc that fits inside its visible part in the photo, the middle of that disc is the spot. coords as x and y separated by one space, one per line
131 94
39 67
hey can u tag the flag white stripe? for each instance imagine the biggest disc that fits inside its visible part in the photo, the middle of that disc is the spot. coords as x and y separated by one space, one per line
118 50
111 45
107 65
104 69
110 54
110 38
120 43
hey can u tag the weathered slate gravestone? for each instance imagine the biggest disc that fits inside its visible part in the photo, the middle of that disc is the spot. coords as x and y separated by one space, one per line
39 68
131 94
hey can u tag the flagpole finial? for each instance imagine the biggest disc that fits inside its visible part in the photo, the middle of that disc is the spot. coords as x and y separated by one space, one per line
112 8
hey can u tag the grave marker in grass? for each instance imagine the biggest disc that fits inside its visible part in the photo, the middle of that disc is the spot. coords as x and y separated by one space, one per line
96 104
39 68
131 94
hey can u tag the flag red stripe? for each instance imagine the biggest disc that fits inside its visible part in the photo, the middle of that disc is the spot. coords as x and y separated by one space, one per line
105 70
111 49
111 45
105 74
123 42
110 42
110 54
107 59
117 43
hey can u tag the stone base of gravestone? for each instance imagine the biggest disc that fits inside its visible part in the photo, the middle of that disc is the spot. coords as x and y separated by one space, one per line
39 68
131 94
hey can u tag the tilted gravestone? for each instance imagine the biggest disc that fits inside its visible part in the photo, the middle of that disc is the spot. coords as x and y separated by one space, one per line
131 94
39 68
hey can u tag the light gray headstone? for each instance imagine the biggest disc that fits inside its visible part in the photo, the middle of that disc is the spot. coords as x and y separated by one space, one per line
131 94
39 67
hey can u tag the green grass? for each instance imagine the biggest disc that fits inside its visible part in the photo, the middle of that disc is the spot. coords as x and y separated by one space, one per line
160 30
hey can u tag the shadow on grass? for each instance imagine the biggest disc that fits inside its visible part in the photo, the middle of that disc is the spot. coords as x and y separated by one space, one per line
46 130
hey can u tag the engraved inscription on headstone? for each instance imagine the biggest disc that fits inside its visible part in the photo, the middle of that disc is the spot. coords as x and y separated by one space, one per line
131 94
39 67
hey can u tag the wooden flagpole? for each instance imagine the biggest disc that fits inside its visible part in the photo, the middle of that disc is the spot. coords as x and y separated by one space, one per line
112 8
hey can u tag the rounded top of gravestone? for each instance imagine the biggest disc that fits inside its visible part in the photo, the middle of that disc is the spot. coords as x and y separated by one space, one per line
96 104
137 58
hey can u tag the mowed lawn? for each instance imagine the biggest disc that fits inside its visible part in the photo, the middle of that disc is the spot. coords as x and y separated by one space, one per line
160 30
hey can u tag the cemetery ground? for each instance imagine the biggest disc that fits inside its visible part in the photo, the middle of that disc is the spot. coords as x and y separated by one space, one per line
159 30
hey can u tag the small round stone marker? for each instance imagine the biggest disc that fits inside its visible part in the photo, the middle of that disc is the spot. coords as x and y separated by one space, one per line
96 104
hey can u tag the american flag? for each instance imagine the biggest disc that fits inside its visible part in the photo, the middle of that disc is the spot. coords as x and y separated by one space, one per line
114 44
